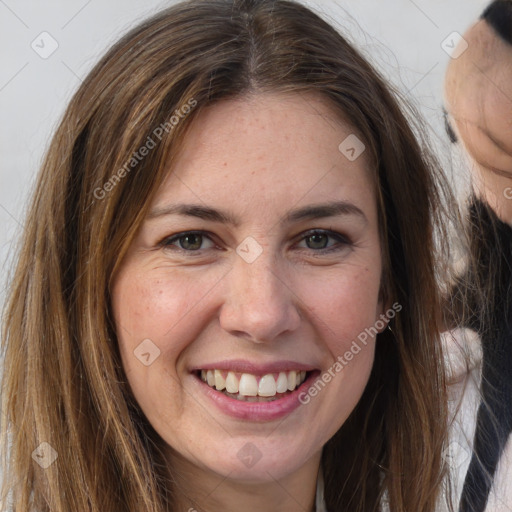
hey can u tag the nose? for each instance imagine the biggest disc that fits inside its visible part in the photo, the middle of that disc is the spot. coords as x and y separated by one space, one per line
260 304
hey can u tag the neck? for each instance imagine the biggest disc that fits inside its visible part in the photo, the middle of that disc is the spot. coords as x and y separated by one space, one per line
199 489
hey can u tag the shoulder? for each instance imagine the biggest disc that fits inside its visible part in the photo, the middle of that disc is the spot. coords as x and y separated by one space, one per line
462 350
462 353
463 358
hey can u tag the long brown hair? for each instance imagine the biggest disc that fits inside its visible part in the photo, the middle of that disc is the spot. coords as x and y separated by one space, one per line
64 383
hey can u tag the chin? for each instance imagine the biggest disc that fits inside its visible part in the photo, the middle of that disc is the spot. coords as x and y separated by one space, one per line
258 460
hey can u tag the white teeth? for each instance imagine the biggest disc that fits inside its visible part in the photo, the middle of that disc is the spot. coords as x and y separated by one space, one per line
220 382
248 385
231 383
282 383
292 380
267 385
251 386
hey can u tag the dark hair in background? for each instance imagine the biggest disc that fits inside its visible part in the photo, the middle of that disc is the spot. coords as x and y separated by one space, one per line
499 16
483 298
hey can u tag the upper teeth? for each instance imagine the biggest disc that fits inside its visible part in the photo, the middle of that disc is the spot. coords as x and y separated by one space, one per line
247 384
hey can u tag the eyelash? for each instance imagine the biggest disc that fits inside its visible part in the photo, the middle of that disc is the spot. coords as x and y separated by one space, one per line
343 241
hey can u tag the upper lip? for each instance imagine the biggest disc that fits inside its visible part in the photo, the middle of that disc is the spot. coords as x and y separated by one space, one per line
243 366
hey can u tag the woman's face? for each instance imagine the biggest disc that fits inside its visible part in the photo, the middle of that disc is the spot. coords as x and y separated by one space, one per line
260 261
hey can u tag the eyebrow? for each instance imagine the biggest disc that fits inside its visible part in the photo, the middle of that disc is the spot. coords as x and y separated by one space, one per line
315 211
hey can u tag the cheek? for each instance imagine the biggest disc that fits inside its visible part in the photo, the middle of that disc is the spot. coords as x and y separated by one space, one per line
347 316
345 304
156 307
161 306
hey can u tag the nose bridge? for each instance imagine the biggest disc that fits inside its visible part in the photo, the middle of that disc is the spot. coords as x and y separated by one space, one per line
259 304
259 278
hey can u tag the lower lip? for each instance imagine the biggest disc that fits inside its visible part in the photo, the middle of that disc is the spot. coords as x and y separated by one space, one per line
257 411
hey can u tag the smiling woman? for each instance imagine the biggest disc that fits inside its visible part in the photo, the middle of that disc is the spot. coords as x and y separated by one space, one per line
275 315
168 332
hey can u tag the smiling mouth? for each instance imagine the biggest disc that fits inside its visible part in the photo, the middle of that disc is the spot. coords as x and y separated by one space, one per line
248 387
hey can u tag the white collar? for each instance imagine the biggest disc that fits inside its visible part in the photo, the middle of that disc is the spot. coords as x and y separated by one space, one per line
320 500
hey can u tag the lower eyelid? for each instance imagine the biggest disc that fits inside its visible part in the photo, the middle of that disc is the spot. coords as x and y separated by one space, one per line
172 241
341 241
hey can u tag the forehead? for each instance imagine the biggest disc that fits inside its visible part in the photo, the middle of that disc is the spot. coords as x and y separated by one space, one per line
300 118
279 145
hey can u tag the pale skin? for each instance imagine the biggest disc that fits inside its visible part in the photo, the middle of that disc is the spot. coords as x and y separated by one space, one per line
256 159
478 98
